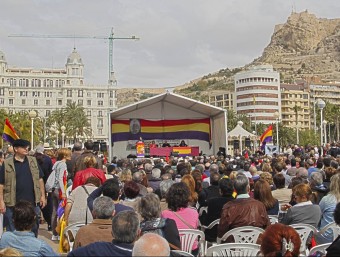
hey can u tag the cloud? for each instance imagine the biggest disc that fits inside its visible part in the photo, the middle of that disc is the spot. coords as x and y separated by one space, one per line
180 40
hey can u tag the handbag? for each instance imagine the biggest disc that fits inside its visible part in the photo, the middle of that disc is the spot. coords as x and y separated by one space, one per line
50 183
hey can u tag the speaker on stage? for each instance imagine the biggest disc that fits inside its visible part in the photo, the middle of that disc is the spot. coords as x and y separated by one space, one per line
247 142
236 144
103 147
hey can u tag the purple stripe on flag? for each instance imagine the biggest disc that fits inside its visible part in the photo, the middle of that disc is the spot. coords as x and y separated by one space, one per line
268 139
8 138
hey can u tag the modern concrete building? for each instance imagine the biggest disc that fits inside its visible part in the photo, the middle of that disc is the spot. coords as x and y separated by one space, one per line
45 90
258 93
296 106
223 98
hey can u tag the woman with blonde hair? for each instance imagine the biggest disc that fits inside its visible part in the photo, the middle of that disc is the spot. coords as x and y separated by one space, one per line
82 175
304 211
190 182
59 188
269 178
327 206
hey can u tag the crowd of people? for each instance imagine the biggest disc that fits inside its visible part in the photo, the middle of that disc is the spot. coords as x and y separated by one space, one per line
136 207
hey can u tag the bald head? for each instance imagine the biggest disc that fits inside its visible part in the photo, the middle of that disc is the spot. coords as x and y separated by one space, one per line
151 244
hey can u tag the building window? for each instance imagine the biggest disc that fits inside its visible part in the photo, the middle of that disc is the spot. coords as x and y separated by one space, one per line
48 102
23 101
36 94
89 102
80 102
100 113
111 94
23 93
2 91
10 93
111 102
2 101
60 102
10 101
100 103
88 94
100 131
88 113
100 123
100 95
48 112
36 102
69 101
69 93
80 93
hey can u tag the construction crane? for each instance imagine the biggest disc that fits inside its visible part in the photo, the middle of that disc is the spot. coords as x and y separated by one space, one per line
111 37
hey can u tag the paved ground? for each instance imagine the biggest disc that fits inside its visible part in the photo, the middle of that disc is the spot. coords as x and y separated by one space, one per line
46 236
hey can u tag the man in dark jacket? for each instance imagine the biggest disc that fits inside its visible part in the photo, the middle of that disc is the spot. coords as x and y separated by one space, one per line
243 211
125 231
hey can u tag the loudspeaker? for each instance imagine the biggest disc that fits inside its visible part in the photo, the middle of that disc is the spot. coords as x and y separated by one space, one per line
103 147
96 146
247 142
236 144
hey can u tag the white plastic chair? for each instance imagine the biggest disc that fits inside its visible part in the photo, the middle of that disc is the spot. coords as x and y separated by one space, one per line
319 248
182 253
245 234
71 231
304 231
273 219
203 209
210 226
334 227
233 249
189 236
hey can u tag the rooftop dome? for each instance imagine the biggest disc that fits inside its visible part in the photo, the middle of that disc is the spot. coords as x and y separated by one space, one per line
2 57
74 58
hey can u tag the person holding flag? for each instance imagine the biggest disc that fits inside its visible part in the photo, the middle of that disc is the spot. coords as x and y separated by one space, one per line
266 137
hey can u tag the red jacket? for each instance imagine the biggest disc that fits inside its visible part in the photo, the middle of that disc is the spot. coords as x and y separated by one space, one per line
82 175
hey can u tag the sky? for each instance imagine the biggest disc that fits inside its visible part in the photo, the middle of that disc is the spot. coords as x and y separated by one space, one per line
180 40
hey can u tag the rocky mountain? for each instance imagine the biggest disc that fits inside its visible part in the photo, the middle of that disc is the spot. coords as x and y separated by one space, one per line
305 47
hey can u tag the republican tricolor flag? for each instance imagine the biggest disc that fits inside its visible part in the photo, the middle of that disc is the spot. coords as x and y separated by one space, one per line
267 136
9 133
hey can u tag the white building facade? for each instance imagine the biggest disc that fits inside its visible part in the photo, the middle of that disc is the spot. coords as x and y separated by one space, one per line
258 94
45 90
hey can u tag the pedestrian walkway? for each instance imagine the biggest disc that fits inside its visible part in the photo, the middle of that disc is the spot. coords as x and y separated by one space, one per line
46 235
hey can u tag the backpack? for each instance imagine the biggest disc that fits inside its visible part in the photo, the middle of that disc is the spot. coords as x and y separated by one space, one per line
51 180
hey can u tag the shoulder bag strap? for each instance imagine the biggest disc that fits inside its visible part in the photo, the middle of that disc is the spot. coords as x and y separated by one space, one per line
87 192
186 223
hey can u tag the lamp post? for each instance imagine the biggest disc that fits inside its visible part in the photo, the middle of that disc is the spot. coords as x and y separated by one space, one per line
32 114
321 105
325 131
63 136
277 117
57 133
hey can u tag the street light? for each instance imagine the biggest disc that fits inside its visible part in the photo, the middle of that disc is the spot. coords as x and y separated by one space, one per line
321 105
57 133
63 136
277 117
32 114
325 131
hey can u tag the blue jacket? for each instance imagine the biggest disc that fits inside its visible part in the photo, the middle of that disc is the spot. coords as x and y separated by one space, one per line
103 249
26 243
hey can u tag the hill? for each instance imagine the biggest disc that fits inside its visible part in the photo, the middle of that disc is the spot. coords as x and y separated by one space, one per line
304 47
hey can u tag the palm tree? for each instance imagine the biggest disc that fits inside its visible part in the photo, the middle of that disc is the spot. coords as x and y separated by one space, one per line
77 121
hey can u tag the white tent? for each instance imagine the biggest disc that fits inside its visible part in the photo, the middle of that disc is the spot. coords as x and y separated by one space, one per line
170 106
